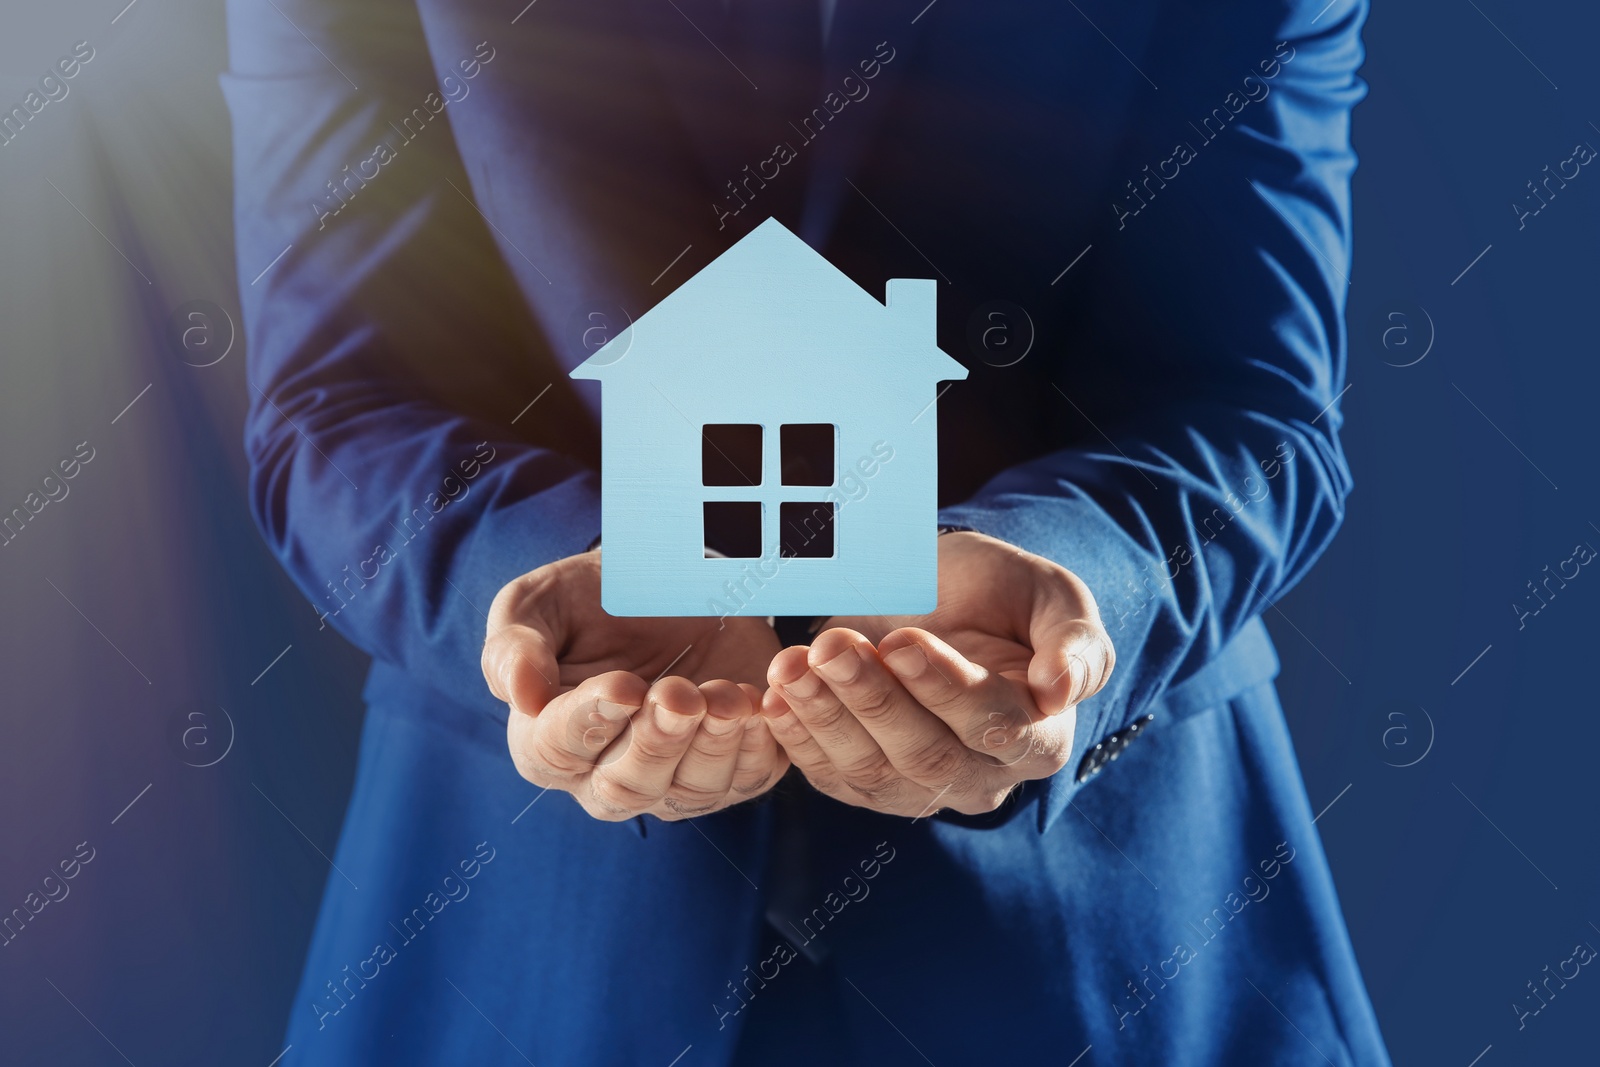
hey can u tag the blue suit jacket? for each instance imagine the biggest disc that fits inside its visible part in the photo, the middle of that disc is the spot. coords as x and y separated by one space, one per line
439 203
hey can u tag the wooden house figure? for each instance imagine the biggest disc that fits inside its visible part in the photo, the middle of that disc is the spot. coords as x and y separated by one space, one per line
769 442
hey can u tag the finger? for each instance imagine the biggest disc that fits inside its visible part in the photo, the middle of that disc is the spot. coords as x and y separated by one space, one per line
992 715
798 744
520 730
918 744
569 736
846 742
761 761
519 663
522 637
705 773
1072 653
636 769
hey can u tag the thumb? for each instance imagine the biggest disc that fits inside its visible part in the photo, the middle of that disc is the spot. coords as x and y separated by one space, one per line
1072 655
520 667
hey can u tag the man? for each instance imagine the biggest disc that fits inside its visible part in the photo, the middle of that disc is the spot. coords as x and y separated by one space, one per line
962 838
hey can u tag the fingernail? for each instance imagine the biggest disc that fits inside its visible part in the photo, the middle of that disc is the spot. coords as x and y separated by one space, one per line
804 687
718 726
673 722
726 711
1078 670
842 668
907 662
722 719
506 666
612 712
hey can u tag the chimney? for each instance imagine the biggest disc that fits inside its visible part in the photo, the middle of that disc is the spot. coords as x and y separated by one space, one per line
912 303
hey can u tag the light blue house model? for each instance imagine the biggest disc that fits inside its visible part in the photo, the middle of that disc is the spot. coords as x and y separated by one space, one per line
769 442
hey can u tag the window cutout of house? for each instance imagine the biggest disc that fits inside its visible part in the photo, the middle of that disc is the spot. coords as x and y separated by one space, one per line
805 529
730 454
806 449
733 528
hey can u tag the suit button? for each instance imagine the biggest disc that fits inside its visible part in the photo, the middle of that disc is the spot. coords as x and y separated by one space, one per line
1093 761
1106 751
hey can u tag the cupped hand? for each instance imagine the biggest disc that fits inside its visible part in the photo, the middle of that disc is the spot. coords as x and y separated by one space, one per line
585 719
910 714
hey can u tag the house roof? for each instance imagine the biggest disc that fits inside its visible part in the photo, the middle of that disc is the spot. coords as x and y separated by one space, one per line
771 294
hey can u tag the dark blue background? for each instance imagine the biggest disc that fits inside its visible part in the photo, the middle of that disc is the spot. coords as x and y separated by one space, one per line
147 592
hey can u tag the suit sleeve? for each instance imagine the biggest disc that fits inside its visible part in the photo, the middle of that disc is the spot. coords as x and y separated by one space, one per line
1222 288
395 468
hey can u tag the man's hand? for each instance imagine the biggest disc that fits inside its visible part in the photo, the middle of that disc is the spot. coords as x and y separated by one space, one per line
585 720
952 709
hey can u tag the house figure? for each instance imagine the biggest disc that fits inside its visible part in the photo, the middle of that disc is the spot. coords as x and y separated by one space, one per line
769 443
